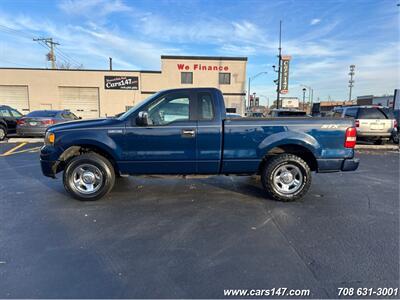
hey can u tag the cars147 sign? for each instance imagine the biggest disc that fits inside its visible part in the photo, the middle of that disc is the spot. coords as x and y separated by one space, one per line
285 75
121 82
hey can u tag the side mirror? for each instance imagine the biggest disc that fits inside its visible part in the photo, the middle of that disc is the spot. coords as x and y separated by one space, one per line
142 119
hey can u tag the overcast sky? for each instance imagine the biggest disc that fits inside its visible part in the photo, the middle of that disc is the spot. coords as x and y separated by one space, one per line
323 38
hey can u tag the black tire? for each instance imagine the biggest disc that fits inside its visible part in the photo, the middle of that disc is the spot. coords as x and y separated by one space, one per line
378 142
395 138
98 165
3 133
273 166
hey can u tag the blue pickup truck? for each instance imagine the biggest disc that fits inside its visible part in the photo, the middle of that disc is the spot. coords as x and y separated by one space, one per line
186 131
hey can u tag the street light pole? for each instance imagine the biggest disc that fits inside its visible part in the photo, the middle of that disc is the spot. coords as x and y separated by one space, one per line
304 96
310 93
248 92
252 78
351 81
278 89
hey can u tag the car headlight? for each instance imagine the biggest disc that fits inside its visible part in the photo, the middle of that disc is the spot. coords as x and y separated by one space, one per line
49 138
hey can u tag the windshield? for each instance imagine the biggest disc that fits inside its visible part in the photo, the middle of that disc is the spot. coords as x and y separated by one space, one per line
132 109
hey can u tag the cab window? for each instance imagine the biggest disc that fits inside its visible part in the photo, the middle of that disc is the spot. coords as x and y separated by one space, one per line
206 107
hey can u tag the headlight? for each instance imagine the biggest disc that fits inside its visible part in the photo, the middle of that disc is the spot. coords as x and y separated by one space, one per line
49 138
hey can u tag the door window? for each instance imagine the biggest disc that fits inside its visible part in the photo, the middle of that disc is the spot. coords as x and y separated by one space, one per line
5 113
168 109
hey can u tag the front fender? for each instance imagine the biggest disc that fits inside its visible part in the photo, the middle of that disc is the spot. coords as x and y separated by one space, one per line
290 138
100 140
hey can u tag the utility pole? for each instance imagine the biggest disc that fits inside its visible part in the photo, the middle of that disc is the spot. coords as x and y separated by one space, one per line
304 96
351 81
49 43
278 89
110 62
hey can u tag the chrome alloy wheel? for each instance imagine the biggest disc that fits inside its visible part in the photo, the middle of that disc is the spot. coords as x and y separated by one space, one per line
86 179
287 179
2 134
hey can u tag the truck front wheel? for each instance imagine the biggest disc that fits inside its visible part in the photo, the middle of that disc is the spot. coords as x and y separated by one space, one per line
286 177
88 177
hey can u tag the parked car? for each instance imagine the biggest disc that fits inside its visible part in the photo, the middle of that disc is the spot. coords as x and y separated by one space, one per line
185 131
36 122
395 135
284 113
8 120
373 123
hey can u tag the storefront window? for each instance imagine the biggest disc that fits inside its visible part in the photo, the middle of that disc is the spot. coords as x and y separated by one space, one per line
224 78
187 77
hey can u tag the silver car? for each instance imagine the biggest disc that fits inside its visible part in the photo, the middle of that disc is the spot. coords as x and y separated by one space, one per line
35 123
372 122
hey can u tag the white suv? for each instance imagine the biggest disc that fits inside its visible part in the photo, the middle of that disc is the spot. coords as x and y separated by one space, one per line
372 122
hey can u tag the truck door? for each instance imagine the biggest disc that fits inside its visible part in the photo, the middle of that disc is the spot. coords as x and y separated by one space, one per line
209 134
168 144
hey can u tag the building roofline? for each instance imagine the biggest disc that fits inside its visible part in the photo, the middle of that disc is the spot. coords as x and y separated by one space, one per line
81 70
204 57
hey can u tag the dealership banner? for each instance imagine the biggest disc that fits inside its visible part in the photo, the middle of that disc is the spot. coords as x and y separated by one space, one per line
121 82
285 75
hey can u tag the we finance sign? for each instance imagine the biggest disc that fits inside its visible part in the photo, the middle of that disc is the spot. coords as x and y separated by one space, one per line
202 67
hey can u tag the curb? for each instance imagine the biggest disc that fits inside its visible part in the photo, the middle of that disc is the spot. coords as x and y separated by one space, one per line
23 140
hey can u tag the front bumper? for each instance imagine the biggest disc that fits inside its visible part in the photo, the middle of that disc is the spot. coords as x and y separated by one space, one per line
374 134
337 165
49 160
49 167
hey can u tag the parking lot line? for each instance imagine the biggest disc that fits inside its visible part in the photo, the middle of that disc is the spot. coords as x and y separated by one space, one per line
31 150
9 152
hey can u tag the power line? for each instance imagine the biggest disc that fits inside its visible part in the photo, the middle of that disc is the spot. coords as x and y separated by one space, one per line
65 57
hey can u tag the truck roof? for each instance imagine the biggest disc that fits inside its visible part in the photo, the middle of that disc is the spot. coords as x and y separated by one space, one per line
191 89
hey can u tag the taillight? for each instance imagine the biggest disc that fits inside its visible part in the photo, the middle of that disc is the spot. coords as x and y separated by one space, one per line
21 122
350 138
395 123
48 122
357 123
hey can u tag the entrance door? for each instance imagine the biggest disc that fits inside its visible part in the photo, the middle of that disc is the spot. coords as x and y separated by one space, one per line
168 144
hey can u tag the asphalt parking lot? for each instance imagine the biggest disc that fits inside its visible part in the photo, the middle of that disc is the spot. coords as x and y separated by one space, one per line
173 237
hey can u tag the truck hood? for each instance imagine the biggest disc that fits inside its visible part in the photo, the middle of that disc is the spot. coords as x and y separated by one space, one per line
103 122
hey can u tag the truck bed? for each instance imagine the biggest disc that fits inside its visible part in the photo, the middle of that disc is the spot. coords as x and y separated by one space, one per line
247 140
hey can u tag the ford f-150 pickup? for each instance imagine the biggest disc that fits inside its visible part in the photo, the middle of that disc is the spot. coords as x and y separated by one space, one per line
186 131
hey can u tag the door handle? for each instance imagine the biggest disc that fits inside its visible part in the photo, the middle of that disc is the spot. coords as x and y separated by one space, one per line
188 133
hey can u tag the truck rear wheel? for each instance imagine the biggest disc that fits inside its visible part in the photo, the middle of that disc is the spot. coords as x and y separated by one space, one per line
286 177
88 177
